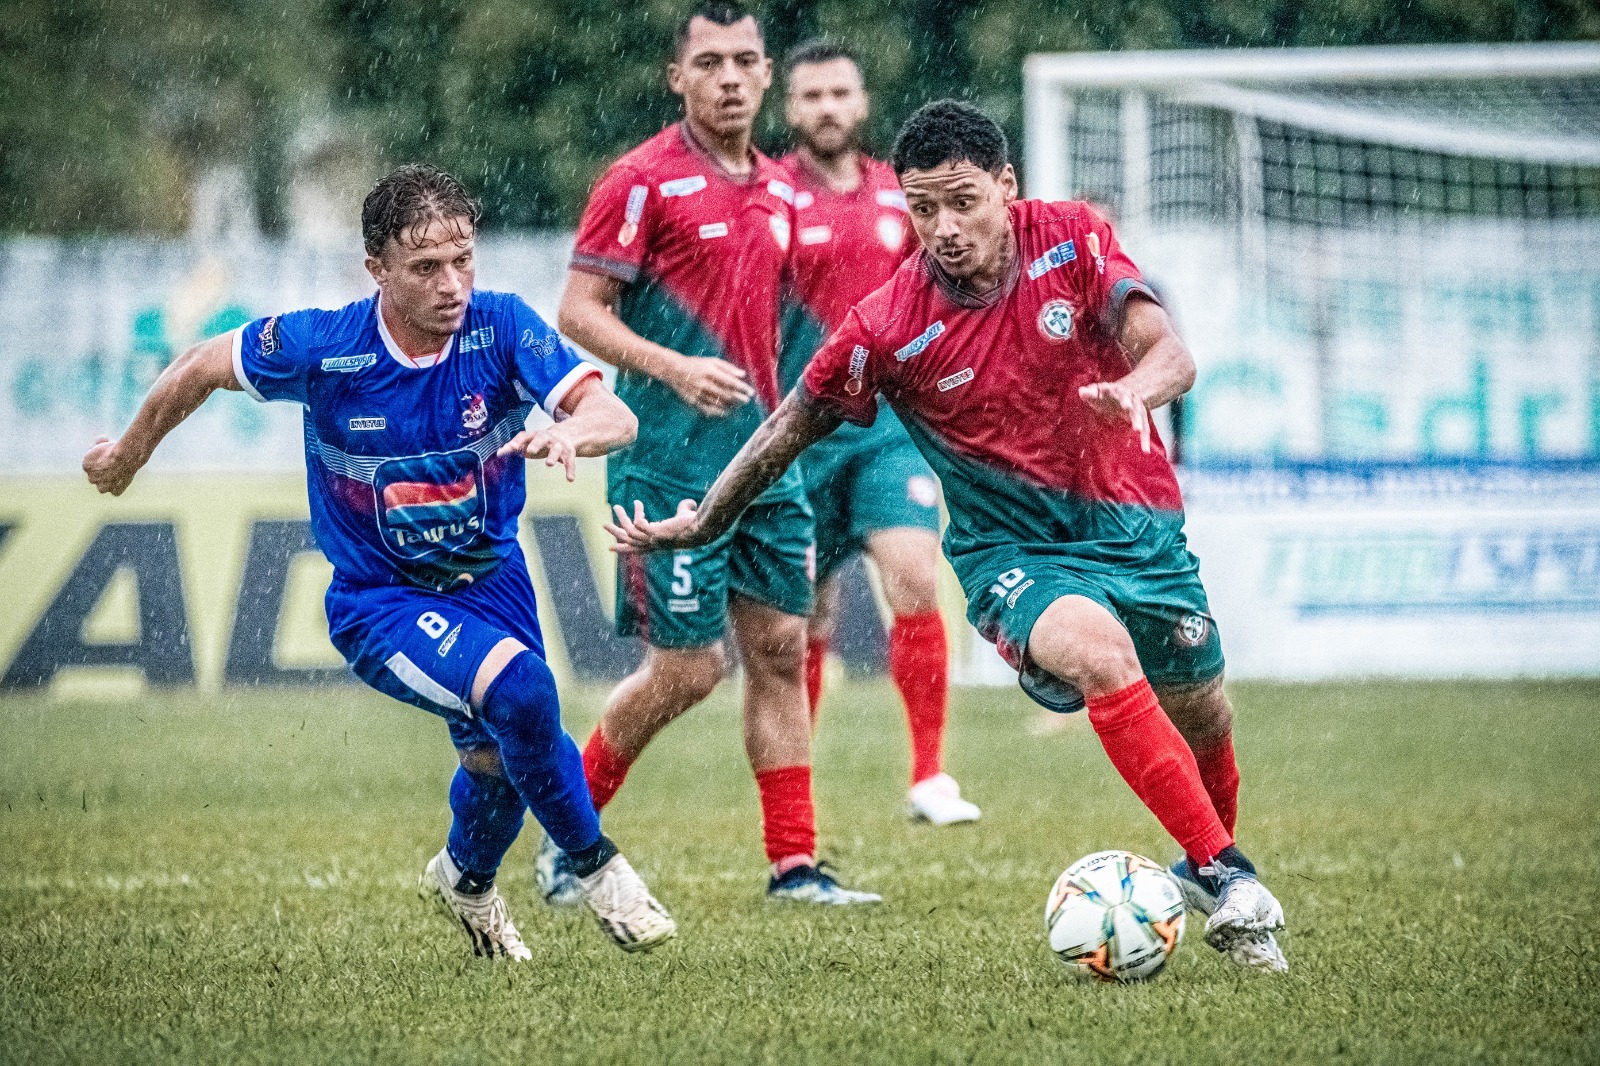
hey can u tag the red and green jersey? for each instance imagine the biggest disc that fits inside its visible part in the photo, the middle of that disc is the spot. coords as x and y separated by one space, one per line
846 245
988 390
702 255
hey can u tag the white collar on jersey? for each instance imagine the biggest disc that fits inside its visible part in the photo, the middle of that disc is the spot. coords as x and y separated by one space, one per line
401 357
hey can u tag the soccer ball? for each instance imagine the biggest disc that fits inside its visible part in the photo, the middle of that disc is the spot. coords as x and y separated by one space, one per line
1115 916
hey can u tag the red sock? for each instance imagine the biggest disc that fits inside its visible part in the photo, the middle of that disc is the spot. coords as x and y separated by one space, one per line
605 767
1220 774
1150 754
919 662
788 820
816 659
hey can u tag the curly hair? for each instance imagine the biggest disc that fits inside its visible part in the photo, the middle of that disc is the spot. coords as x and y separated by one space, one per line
402 204
949 131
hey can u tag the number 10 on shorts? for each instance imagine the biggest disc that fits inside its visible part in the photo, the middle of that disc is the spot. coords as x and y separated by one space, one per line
1010 585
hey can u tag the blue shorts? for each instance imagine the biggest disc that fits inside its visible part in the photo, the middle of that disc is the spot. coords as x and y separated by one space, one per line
424 648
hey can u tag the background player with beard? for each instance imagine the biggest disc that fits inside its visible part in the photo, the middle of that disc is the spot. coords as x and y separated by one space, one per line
1024 358
415 469
676 280
869 488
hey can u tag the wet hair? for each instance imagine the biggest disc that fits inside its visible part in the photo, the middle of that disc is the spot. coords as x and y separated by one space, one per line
721 12
406 199
816 50
949 131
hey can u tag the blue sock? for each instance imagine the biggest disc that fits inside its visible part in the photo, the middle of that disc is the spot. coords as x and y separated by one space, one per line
488 816
523 714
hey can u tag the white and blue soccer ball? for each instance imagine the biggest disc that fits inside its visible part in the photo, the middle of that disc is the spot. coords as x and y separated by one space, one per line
1115 916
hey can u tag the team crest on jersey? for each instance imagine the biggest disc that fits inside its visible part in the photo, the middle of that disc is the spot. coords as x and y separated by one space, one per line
921 491
1055 320
891 232
780 230
475 413
1192 630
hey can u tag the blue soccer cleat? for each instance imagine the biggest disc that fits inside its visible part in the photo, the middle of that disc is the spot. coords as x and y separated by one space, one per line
552 873
816 884
1199 893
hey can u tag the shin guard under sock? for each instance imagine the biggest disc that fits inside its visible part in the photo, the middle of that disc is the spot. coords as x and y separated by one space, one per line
919 662
1150 754
488 816
788 819
523 715
604 767
1220 774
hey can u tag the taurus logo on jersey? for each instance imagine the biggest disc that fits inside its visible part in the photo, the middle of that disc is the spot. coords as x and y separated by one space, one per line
1055 320
431 505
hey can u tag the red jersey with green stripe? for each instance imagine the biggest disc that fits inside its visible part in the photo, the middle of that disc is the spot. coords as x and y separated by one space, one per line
988 389
846 245
702 255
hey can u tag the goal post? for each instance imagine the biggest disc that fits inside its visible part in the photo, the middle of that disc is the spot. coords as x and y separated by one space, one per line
1376 253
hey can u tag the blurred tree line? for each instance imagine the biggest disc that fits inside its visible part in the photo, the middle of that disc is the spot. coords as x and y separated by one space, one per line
109 107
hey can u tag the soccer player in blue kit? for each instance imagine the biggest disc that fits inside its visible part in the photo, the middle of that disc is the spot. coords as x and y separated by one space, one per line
415 402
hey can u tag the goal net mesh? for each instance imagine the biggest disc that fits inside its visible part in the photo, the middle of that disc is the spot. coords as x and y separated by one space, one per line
1395 270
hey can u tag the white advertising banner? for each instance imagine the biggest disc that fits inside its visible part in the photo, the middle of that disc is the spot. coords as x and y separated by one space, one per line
1325 571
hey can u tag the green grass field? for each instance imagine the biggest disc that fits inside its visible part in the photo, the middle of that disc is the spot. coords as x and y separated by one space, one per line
232 879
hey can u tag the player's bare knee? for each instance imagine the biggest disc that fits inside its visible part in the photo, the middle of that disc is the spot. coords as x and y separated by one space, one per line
1080 642
687 675
483 759
781 657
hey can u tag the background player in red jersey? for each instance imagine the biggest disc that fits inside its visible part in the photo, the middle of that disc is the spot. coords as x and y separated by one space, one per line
1024 353
869 488
675 280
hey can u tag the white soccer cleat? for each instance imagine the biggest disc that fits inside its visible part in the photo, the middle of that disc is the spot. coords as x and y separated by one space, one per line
937 800
483 915
1244 920
816 884
630 915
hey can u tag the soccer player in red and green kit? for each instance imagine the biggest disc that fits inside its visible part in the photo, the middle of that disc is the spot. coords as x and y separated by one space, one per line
676 280
869 488
1024 353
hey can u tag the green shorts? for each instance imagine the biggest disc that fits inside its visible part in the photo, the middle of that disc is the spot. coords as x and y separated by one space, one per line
679 599
859 487
1162 604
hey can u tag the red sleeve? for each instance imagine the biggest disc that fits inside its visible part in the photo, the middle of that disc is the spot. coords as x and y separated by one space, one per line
614 234
842 376
1110 276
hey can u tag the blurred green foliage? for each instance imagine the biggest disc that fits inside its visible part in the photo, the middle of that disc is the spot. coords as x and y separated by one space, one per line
108 107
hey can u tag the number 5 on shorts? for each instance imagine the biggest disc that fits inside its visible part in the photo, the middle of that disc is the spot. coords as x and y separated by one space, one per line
682 579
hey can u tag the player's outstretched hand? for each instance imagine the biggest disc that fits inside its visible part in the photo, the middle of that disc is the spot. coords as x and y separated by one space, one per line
709 385
639 534
548 444
1114 400
108 470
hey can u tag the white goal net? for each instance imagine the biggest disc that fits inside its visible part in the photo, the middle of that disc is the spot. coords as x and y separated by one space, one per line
1376 253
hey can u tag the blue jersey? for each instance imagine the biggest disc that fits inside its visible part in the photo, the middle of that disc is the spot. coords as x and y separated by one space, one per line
401 468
